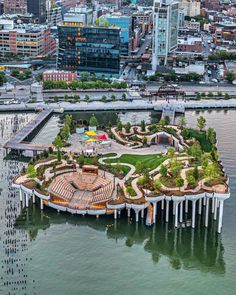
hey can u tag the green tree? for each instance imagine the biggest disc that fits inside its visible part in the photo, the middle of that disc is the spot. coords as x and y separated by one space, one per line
58 143
191 180
66 97
210 94
93 121
68 120
167 120
106 23
56 99
198 96
195 150
157 184
127 127
205 158
123 97
119 125
144 141
175 168
140 167
162 123
86 98
163 171
113 97
182 122
81 161
76 98
230 76
179 182
196 173
65 132
170 152
212 171
104 98
201 123
143 126
31 171
211 135
97 21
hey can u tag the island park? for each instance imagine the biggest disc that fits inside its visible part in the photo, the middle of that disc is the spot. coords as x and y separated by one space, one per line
148 170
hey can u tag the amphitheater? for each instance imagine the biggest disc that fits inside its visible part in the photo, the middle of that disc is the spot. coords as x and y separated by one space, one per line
81 190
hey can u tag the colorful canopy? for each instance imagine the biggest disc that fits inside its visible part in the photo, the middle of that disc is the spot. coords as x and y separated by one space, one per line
91 140
91 133
102 137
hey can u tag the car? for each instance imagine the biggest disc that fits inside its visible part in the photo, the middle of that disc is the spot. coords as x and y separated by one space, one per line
214 80
202 82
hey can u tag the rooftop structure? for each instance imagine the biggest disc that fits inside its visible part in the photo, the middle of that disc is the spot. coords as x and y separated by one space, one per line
79 14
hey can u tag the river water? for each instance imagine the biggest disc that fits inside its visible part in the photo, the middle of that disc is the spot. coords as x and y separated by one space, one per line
50 253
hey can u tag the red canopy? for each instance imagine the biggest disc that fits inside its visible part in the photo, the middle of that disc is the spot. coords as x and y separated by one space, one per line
102 137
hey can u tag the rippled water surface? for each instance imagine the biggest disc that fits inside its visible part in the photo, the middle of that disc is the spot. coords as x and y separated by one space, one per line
51 253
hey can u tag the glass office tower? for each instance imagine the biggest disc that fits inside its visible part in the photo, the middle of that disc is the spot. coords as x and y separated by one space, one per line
88 48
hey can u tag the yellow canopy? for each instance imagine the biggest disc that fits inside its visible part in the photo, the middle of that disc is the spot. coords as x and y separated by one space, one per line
91 140
91 133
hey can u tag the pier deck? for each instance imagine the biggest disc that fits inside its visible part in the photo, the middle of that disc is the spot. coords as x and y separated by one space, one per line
17 142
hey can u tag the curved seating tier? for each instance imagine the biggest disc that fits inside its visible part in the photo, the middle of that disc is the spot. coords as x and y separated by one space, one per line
81 190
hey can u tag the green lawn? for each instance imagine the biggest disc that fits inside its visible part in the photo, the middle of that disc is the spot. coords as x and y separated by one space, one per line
200 136
151 161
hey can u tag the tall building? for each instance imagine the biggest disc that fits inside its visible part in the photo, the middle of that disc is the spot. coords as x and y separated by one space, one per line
88 48
38 9
54 13
165 30
125 24
15 6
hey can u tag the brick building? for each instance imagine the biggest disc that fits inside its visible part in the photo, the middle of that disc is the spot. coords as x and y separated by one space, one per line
25 39
59 76
190 44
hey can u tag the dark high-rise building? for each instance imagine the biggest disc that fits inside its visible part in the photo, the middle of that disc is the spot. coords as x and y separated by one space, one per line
88 48
38 9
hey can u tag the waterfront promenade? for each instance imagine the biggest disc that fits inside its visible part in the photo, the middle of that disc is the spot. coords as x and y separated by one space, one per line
158 105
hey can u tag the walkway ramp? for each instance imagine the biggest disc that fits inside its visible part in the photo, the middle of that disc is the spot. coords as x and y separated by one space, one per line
168 111
17 140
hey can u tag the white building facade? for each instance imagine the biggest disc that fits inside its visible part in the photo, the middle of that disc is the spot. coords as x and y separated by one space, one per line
165 30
